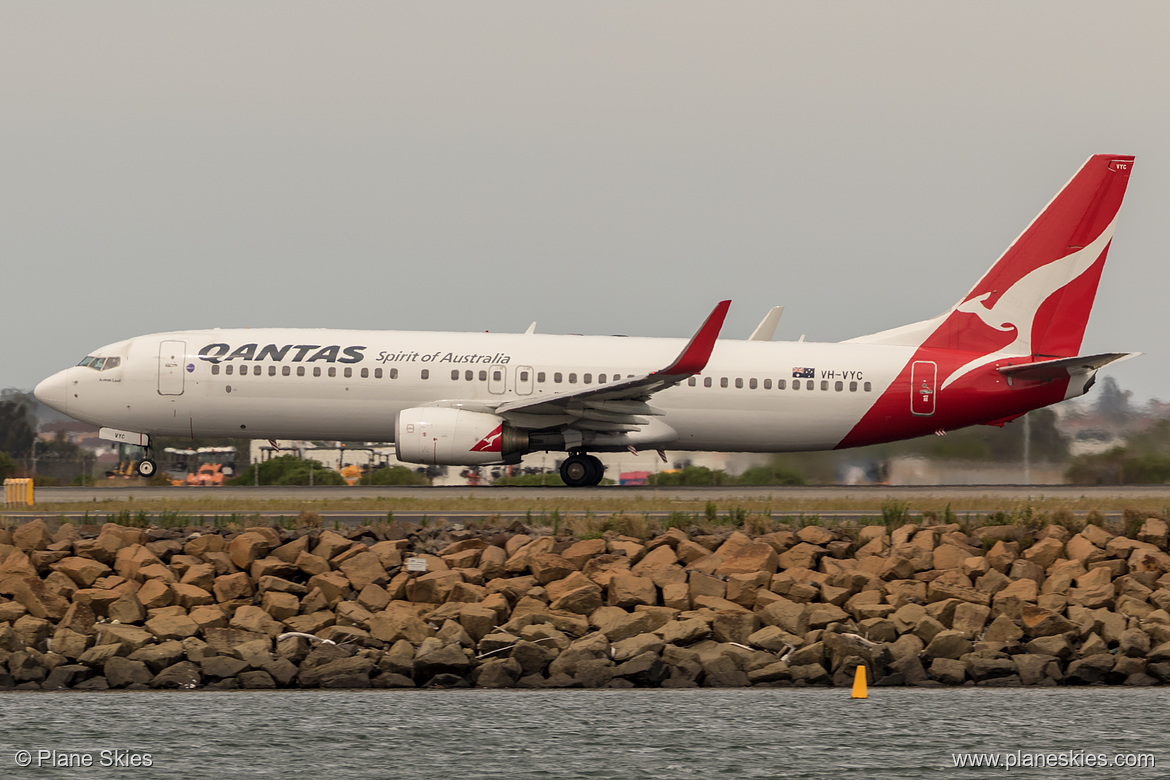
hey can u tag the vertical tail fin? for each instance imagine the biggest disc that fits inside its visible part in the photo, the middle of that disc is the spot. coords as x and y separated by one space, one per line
1037 297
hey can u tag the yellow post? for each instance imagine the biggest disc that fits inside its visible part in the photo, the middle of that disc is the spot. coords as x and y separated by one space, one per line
859 684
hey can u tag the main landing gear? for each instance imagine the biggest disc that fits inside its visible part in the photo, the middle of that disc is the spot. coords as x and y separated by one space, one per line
581 470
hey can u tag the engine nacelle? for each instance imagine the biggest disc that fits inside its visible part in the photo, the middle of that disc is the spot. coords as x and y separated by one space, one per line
443 436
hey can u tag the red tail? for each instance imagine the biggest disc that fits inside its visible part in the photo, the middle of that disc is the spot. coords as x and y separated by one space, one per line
1037 297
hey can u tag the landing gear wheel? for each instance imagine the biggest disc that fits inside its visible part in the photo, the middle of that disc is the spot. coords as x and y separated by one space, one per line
582 471
147 468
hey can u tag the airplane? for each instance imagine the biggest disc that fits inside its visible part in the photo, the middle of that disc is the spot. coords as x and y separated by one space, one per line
467 399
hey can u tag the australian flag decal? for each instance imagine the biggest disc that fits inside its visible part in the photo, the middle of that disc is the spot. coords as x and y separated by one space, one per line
804 373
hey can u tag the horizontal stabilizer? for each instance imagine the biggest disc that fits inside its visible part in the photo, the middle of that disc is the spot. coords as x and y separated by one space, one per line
1063 368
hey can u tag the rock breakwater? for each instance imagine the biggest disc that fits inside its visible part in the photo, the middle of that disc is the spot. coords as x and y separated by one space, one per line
92 608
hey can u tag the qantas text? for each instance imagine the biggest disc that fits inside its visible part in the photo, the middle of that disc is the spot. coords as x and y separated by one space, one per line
294 353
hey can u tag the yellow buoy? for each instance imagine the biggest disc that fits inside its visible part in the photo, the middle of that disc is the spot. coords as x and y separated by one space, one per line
859 685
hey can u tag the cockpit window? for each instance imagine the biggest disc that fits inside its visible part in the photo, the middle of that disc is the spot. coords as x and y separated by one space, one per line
100 364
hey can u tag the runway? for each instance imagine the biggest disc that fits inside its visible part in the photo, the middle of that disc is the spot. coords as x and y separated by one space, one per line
869 493
352 506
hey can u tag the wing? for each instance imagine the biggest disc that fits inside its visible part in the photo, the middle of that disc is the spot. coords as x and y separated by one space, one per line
618 406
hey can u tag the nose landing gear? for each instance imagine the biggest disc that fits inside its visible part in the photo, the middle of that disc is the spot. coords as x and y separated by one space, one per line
147 467
581 470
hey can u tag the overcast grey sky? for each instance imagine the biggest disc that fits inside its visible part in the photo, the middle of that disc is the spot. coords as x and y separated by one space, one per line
600 167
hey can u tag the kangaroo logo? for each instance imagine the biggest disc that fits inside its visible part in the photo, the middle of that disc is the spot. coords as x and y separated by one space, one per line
1016 309
491 442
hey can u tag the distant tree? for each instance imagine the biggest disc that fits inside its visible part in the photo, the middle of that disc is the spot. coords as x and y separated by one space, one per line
16 427
1144 460
7 466
288 470
394 475
552 478
771 473
690 475
1112 402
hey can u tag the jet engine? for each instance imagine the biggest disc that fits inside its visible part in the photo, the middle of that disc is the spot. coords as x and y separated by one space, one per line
444 436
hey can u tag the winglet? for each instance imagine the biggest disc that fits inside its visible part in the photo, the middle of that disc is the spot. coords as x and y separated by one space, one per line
697 352
767 327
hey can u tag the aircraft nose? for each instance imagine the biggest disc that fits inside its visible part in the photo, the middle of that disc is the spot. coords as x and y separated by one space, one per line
54 391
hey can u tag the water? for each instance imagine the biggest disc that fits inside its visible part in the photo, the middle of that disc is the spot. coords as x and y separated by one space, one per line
778 733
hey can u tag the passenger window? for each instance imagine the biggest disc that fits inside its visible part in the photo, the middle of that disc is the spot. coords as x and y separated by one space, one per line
214 368
839 386
228 369
706 381
377 373
365 373
426 373
300 370
272 371
739 383
824 384
348 373
781 384
483 376
867 387
767 384
497 375
572 379
455 374
468 375
795 384
853 387
723 381
285 370
332 371
394 373
316 370
540 376
523 376
601 379
752 383
692 382
808 384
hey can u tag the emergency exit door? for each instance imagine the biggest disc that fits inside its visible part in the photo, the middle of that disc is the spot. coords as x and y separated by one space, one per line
923 376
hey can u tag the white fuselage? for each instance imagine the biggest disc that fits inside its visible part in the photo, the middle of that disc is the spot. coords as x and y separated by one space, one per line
746 399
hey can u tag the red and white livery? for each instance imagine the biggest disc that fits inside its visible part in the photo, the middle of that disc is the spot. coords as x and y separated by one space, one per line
1008 346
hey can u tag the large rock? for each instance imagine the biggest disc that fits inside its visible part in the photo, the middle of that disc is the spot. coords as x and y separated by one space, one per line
647 670
1154 531
83 571
947 644
183 674
1038 622
448 659
628 591
948 671
353 672
749 559
1089 671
